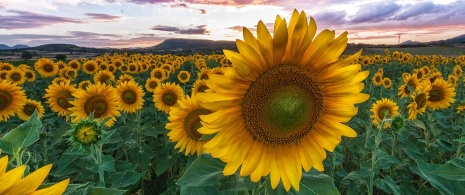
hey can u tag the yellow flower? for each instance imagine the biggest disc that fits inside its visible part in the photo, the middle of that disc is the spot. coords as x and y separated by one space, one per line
410 81
58 97
74 64
45 67
199 86
100 99
418 104
387 83
151 84
441 94
30 75
125 78
29 108
16 76
103 76
158 73
384 109
283 102
184 76
12 99
130 96
166 96
378 79
90 67
13 184
184 122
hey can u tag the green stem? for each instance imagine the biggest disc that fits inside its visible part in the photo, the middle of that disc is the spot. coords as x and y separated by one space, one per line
393 148
99 161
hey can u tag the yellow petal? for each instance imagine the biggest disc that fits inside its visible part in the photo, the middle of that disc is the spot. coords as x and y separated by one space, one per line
31 182
280 43
10 178
58 188
265 44
3 164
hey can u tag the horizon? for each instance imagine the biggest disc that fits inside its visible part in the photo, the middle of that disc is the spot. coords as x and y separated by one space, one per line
145 23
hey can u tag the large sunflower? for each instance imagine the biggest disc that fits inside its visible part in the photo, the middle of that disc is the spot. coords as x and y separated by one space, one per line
100 99
90 67
184 124
45 67
284 102
12 99
384 109
418 103
167 95
13 184
29 108
58 97
441 94
130 96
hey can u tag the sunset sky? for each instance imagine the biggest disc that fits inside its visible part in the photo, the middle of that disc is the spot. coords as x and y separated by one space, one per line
143 23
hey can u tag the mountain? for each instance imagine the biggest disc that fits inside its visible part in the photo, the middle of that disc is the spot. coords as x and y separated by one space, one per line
456 40
18 46
195 44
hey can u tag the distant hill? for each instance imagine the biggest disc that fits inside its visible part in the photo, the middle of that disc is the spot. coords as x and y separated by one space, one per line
195 44
456 40
19 46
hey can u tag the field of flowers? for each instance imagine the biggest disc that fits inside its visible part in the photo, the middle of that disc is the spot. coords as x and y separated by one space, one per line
166 124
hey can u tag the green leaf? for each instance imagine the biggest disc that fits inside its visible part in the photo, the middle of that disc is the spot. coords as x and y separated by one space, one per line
451 171
124 179
108 163
388 185
208 171
22 136
207 137
418 123
106 191
60 132
445 186
164 163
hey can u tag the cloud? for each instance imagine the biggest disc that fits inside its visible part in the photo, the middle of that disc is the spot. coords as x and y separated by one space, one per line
330 19
236 28
184 5
375 12
90 35
165 28
204 2
198 30
24 20
102 17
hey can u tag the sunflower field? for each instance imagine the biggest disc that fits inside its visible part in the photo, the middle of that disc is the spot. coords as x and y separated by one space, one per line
286 114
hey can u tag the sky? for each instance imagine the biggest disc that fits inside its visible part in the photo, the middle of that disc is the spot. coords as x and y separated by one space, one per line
145 23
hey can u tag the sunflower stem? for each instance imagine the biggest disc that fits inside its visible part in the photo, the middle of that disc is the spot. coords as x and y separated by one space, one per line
98 158
374 158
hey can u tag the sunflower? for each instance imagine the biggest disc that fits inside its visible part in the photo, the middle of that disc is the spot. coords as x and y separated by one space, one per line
16 76
377 79
184 76
29 108
45 67
133 68
99 98
124 78
184 122
460 108
86 133
441 94
124 68
103 66
283 103
204 74
58 97
30 75
158 73
458 70
167 95
130 96
112 68
452 79
418 104
84 84
104 76
74 64
151 84
70 73
426 70
381 71
60 65
13 184
12 99
199 86
384 109
434 76
59 80
387 83
419 74
118 63
168 68
24 67
90 67
410 81
3 74
6 66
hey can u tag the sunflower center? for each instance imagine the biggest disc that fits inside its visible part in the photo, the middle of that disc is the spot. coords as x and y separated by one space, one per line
378 79
204 76
62 99
282 105
5 99
29 75
169 98
383 112
129 96
86 134
29 109
103 78
16 77
436 95
71 73
90 67
153 85
420 100
97 104
183 76
158 75
203 88
48 68
132 68
192 123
